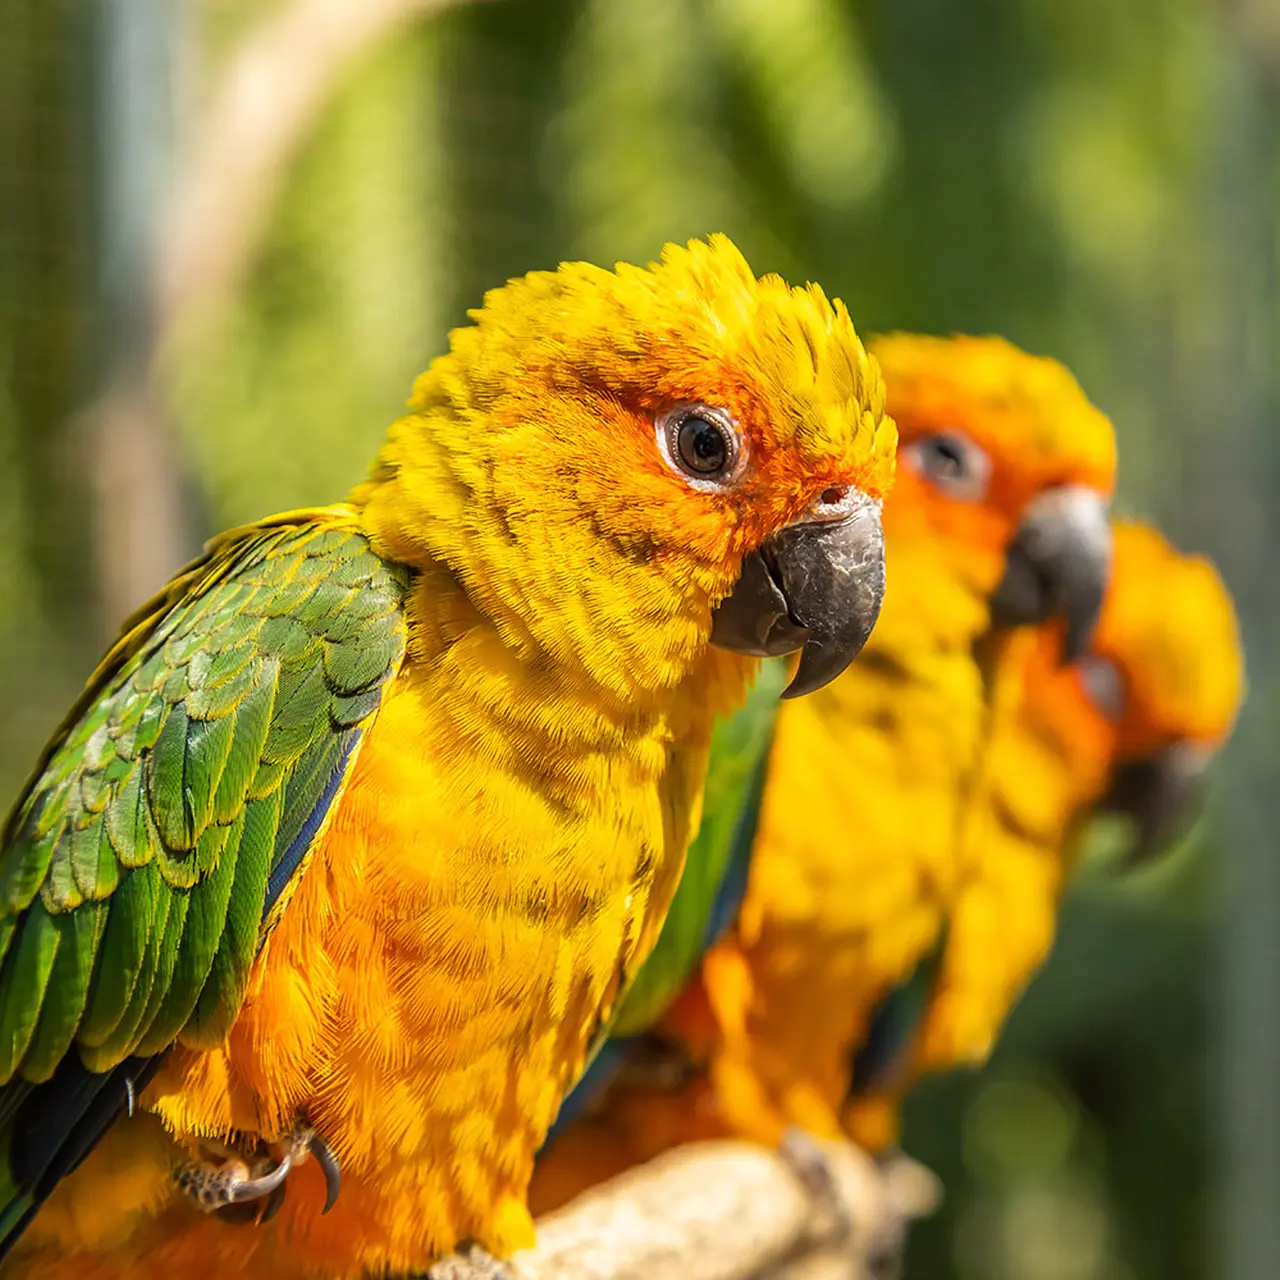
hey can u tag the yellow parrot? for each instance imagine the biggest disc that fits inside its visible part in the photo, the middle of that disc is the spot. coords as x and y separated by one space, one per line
997 518
1131 726
358 833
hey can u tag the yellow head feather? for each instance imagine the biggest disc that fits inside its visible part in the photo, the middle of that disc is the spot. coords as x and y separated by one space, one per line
529 463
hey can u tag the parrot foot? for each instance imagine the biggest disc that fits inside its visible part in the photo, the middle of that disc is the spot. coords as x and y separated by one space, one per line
250 1188
809 1163
470 1263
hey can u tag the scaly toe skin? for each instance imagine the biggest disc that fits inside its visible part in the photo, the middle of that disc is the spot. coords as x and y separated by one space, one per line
218 1187
470 1263
810 1164
240 1192
209 1185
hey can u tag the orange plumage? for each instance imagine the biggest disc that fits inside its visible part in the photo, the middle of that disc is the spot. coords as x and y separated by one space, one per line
1164 672
858 859
514 823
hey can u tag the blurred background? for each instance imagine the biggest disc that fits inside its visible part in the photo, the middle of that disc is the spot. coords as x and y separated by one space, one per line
231 232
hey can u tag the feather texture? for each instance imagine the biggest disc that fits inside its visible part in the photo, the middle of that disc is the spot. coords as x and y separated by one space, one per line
416 961
860 857
193 776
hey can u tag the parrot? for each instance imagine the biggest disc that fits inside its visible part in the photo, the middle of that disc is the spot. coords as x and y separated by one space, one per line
1128 728
321 895
998 520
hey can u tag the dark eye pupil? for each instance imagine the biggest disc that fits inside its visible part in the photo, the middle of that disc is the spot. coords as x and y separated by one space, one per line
702 446
949 457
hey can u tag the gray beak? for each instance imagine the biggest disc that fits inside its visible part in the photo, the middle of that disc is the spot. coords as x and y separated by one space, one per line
1162 793
1058 565
815 587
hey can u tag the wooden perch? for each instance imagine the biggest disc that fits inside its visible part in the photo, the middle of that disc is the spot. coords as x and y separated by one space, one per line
730 1211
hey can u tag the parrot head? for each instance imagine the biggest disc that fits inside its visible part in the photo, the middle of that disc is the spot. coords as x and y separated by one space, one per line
1004 458
1166 670
624 466
1137 718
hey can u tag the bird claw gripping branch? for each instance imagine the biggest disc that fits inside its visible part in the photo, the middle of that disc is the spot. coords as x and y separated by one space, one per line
807 1160
250 1188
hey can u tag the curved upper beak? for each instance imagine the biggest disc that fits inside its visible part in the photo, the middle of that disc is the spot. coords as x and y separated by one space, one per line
1162 793
814 586
1058 565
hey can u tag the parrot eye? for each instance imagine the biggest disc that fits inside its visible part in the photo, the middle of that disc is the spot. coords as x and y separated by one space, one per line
952 463
1103 685
702 443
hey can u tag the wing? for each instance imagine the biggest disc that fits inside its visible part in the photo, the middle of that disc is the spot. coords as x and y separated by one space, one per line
176 806
882 1060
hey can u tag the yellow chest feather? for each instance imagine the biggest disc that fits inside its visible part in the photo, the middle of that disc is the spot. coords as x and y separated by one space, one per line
500 858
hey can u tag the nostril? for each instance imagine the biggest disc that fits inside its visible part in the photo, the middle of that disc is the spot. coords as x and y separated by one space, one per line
834 496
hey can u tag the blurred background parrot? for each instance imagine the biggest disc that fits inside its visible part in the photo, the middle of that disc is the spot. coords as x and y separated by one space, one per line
359 830
997 518
1129 727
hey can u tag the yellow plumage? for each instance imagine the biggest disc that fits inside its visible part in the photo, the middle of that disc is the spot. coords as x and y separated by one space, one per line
1164 670
858 858
515 821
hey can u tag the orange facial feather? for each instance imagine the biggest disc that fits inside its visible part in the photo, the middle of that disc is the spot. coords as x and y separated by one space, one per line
858 859
514 822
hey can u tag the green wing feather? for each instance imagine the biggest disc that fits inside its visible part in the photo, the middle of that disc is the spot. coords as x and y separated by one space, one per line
174 809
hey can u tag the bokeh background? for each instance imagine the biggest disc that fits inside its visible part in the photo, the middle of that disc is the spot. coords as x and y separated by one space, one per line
231 231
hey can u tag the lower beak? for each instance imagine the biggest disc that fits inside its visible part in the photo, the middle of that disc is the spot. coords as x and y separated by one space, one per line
1057 566
1162 793
815 587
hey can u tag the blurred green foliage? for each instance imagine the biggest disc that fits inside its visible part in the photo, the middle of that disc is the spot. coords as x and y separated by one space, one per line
1050 169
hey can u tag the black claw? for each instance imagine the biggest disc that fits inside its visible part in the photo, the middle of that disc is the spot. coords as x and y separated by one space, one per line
329 1165
229 1190
256 1188
271 1206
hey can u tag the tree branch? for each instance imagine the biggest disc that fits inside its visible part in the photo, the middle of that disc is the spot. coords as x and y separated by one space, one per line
730 1211
262 107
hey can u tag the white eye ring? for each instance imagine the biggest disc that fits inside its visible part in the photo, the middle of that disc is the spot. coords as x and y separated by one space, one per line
1103 685
952 463
702 444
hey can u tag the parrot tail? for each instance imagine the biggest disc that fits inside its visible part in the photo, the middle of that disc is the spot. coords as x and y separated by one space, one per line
47 1129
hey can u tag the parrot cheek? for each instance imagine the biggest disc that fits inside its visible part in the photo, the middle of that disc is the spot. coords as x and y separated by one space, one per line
815 586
